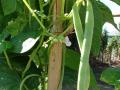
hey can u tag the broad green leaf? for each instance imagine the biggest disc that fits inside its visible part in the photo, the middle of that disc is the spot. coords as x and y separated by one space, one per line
70 78
41 57
111 76
72 59
96 42
68 5
15 27
106 13
37 60
9 80
19 7
9 6
116 1
25 40
102 14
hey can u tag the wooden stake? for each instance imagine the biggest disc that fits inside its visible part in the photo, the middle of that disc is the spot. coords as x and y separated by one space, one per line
55 66
55 59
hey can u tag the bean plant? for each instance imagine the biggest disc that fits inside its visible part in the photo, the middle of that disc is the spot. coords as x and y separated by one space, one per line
32 42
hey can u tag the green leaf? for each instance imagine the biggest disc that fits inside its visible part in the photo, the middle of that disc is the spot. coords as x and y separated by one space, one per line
4 45
106 13
15 27
111 76
96 42
116 1
100 12
72 59
9 80
9 6
68 5
20 6
25 40
41 57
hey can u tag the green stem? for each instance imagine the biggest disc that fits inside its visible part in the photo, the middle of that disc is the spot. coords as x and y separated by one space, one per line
7 59
68 30
32 56
51 6
33 13
41 5
77 3
25 87
29 15
27 77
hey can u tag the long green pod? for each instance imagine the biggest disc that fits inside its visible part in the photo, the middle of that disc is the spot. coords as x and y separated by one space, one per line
77 25
84 69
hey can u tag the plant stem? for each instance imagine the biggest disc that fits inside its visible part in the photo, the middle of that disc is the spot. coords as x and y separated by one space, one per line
27 77
68 30
33 13
32 56
29 15
41 6
51 6
8 61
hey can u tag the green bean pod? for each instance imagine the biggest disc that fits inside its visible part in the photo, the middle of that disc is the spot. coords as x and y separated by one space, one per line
77 25
84 69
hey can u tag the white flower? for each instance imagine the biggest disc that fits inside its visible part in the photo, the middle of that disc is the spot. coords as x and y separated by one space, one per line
67 41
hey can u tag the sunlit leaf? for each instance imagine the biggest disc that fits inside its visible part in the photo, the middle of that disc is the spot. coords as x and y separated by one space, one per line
111 76
116 1
96 42
106 13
